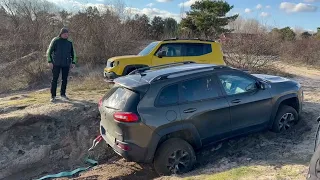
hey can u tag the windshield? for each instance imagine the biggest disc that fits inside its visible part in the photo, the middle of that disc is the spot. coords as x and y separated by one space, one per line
148 49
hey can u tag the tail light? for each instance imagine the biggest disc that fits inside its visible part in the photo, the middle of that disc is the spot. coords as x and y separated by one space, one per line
125 117
100 102
123 146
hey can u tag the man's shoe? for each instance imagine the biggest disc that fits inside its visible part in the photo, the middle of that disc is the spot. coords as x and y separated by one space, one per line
64 97
53 99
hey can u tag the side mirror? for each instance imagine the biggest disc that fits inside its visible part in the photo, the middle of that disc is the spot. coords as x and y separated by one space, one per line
262 85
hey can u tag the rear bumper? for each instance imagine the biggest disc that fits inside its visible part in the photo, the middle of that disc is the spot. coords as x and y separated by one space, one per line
136 153
110 75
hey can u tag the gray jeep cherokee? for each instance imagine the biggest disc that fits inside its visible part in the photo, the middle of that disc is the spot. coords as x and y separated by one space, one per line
162 114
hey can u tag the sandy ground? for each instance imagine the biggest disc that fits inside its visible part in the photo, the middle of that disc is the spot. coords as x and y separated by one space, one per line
263 155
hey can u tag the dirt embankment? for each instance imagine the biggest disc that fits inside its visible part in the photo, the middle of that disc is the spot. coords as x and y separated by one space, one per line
46 138
37 140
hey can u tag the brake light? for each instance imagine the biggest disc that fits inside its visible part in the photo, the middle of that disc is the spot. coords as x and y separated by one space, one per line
125 117
122 146
100 102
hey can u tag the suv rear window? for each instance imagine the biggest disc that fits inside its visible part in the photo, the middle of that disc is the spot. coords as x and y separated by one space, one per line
197 49
119 97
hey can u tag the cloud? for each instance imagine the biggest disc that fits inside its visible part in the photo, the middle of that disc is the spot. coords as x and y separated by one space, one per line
301 7
164 1
66 3
151 12
233 13
259 6
268 6
100 0
247 10
311 1
188 3
264 14
150 5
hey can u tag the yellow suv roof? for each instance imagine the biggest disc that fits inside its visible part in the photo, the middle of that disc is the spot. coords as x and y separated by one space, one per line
189 40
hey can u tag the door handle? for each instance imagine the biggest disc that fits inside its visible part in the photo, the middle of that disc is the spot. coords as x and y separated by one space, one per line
191 110
236 101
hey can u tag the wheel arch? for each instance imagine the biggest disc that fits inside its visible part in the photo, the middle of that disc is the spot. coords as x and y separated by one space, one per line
290 100
131 67
187 132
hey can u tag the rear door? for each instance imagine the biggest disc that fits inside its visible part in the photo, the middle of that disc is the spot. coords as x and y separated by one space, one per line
118 99
197 52
203 105
249 105
168 53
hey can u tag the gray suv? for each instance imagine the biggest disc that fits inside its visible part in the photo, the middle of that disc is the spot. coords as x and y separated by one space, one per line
162 114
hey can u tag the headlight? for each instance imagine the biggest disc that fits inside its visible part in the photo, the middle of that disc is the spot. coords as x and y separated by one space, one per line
111 64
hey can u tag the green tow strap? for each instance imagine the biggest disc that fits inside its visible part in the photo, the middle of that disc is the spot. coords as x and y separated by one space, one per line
71 173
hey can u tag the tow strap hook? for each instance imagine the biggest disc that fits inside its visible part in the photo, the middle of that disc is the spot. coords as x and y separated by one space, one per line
95 142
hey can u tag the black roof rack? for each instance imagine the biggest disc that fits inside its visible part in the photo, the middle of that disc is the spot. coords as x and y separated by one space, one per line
165 76
174 39
141 70
171 39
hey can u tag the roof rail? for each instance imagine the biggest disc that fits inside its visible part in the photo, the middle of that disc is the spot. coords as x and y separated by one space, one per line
141 70
165 76
171 39
199 39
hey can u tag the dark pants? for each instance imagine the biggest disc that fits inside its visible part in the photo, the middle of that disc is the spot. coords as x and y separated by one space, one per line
55 76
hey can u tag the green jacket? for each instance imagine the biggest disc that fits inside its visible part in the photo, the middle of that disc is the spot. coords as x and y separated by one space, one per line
61 52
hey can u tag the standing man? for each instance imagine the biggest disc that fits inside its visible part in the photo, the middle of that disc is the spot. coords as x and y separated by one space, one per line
61 56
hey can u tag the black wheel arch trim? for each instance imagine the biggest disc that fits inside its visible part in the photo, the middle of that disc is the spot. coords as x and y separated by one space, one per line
163 132
125 70
277 106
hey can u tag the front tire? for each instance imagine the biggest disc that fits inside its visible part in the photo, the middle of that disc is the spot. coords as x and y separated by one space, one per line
286 117
174 156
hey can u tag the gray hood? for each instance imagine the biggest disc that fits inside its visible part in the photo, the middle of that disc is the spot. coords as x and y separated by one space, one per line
271 78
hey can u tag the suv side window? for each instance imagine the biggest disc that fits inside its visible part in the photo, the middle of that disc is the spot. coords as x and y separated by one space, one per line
199 89
237 83
197 49
170 50
168 96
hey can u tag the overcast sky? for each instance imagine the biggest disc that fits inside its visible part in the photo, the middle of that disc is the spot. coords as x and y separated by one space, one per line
295 13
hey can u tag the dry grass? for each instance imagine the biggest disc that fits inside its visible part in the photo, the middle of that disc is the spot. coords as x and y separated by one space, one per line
272 69
41 97
258 172
92 82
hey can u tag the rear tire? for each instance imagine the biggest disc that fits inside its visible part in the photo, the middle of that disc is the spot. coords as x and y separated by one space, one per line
174 156
286 117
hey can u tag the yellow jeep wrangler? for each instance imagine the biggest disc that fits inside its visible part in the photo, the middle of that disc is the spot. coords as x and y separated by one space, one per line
165 52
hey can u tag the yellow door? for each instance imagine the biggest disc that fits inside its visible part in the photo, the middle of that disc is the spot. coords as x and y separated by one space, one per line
168 53
198 52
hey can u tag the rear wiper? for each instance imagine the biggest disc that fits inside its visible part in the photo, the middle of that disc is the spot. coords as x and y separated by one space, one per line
111 107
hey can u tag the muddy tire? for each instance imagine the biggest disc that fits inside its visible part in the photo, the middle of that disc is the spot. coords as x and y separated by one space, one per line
174 156
286 117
